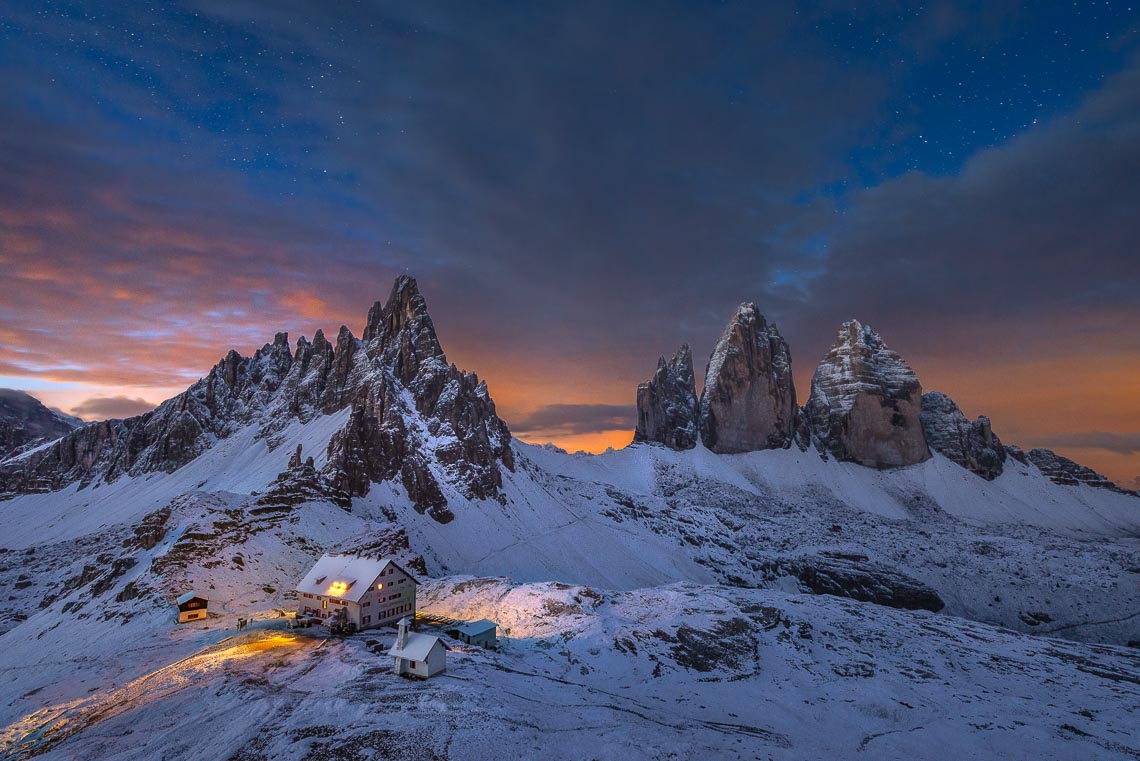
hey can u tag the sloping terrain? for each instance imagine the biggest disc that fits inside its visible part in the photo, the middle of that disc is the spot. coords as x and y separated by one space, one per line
680 671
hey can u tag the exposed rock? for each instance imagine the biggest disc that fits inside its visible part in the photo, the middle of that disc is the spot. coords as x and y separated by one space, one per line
974 445
1017 453
413 415
25 422
858 578
667 408
865 402
1062 470
452 431
749 398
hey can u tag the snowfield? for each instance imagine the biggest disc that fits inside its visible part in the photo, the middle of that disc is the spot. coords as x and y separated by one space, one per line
680 671
655 604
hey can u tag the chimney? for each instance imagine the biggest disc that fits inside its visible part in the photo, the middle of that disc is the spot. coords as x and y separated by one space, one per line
402 634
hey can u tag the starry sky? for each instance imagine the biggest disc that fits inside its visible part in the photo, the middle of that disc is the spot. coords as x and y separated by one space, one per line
580 187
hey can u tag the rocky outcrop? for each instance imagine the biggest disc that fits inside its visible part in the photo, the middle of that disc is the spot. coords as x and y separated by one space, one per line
419 419
865 403
749 399
667 408
413 416
973 445
1062 470
856 577
25 422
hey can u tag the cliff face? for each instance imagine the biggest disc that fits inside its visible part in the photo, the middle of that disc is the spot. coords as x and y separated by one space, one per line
973 445
667 408
413 416
865 402
749 398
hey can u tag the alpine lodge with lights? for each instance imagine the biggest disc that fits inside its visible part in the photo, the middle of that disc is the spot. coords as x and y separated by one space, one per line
356 591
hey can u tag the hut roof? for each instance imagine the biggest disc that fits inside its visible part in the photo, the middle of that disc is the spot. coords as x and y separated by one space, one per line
417 647
345 577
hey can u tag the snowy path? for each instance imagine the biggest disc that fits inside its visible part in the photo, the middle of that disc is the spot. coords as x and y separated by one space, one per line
39 731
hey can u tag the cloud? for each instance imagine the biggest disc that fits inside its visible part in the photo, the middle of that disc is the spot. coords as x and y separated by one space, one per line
1031 247
574 419
1121 443
106 407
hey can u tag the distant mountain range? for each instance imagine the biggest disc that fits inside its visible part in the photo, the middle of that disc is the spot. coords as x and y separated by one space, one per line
25 423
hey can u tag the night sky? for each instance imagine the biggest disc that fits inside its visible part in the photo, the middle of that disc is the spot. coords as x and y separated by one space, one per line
579 188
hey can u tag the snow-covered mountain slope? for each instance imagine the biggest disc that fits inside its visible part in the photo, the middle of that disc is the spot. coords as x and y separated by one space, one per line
88 639
1019 551
680 671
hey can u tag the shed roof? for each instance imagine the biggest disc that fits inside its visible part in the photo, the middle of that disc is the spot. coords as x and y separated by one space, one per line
355 572
417 647
474 628
183 599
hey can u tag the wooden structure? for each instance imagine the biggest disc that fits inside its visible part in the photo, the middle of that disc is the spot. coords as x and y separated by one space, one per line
418 655
191 607
356 591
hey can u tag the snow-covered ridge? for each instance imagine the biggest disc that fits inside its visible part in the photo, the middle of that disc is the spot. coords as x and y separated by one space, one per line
395 380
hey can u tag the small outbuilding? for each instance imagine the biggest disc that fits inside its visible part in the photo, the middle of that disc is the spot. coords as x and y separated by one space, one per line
415 654
191 607
481 633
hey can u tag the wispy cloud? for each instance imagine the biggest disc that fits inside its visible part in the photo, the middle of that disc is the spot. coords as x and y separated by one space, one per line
1121 443
574 419
104 407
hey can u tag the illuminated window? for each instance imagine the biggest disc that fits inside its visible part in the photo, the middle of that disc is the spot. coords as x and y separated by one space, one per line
379 587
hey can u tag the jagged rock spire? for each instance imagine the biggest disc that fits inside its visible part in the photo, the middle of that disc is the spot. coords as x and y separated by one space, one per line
865 402
667 408
413 416
749 398
974 445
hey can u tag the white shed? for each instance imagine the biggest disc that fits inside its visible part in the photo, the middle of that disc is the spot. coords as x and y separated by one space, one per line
421 655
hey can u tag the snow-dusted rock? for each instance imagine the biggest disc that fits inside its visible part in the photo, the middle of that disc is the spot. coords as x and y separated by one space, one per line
667 408
974 445
1062 470
417 417
413 415
749 399
865 402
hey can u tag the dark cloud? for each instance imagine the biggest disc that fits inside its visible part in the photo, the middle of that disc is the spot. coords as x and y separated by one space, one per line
579 188
573 419
107 407
1031 246
1121 443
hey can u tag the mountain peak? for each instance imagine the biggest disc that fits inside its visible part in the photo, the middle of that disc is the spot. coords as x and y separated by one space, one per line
865 402
749 399
667 408
413 417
